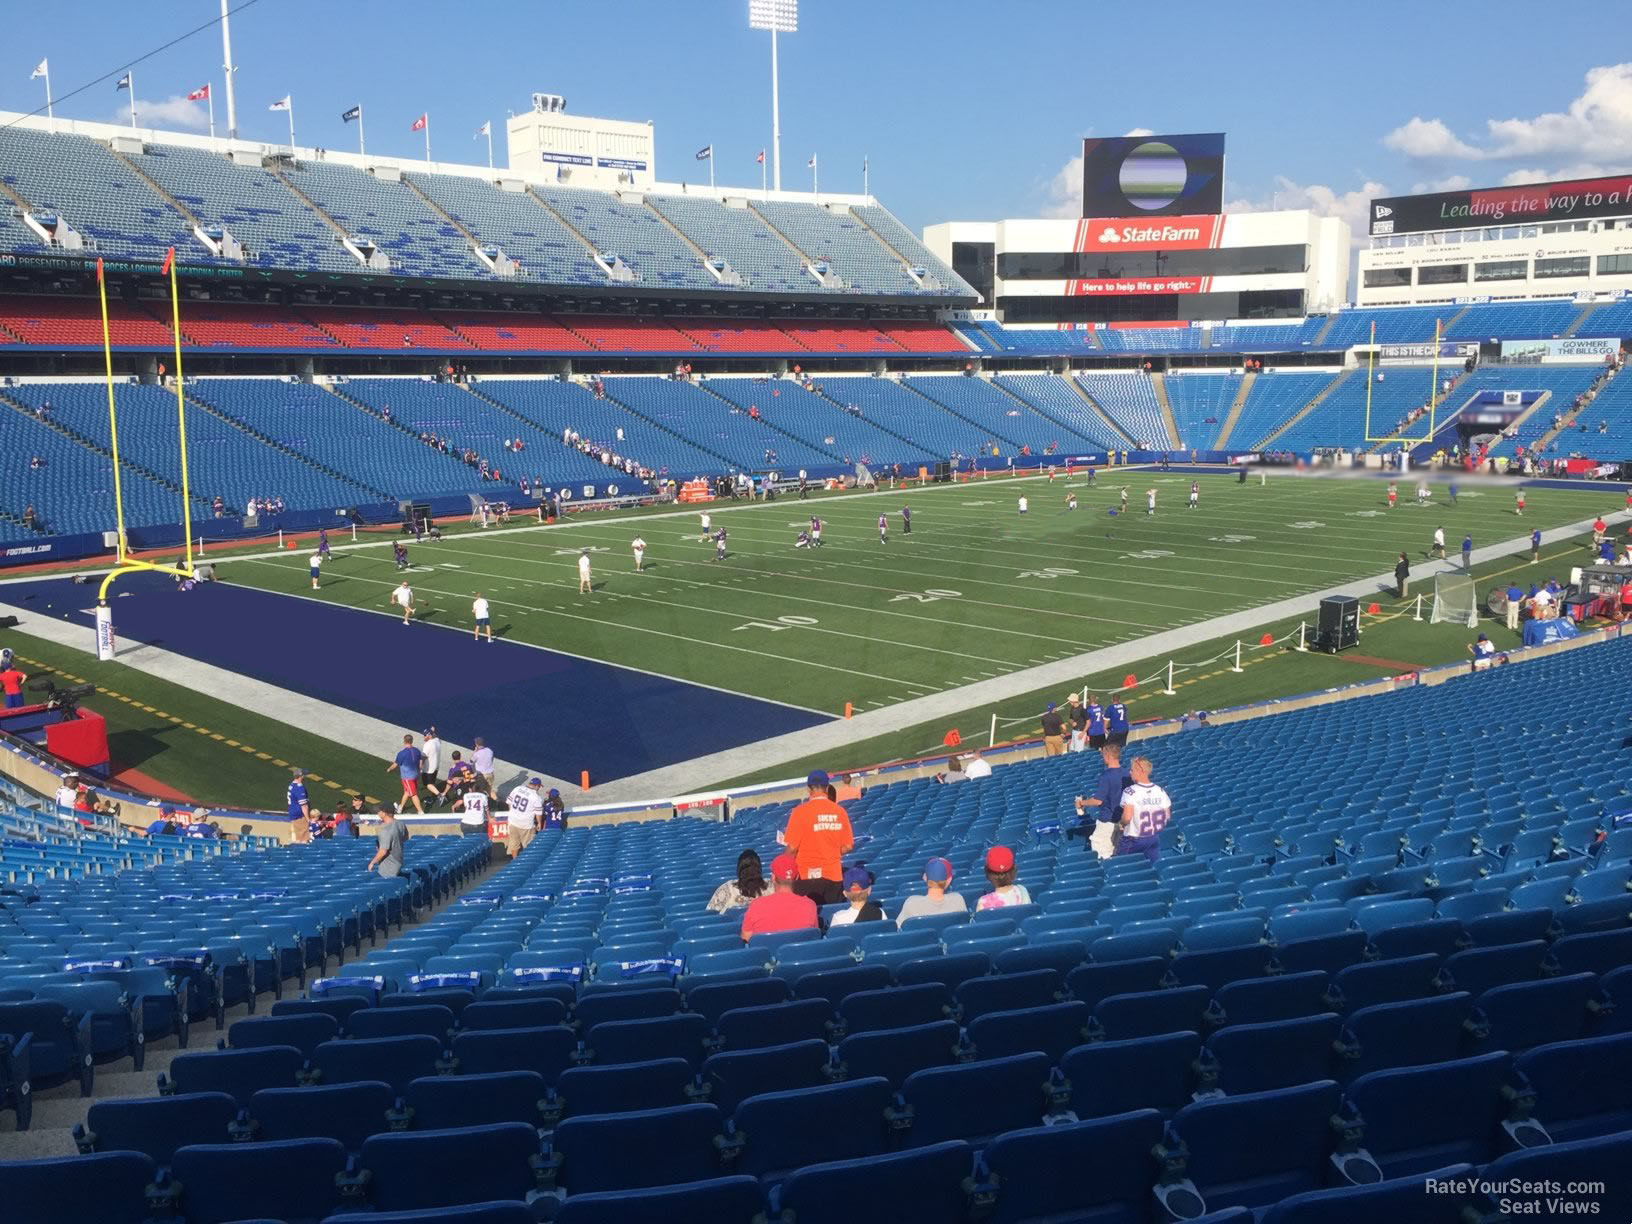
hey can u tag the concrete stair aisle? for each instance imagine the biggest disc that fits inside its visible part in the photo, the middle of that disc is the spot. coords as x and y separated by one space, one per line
267 440
1580 320
58 1108
541 426
157 189
1169 421
775 429
1042 411
1234 415
1314 402
1325 330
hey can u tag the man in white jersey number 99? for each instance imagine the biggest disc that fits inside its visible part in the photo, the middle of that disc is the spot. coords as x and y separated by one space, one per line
1146 811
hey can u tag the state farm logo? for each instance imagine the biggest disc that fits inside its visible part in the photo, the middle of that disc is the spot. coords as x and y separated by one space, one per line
1111 236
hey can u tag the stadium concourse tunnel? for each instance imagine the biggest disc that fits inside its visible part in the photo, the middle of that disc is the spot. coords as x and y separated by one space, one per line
539 708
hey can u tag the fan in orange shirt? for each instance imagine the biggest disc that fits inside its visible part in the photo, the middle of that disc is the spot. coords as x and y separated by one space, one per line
818 835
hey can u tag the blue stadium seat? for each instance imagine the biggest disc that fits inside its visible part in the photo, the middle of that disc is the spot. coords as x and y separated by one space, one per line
1526 1014
631 1004
773 1133
895 1006
629 1151
425 1169
1386 981
657 1084
1404 1034
1261 1000
1439 936
1401 1201
304 1033
1246 1058
1256 1149
1583 1089
923 1184
1007 992
1593 952
346 1113
1580 1162
1112 1077
1093 982
1616 1015
1476 970
158 1126
713 1000
548 1051
238 1073
392 1060
837 984
109 1187
1060 955
1423 1118
975 1101
720 1200
748 1028
734 1076
448 1102
1111 1165
950 969
514 1013
681 1036
471 1213
896 1053
1330 953
1053 1030
1144 1015
290 1180
1512 926
433 1021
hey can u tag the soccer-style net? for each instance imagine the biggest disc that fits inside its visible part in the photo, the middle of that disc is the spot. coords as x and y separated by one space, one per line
1455 600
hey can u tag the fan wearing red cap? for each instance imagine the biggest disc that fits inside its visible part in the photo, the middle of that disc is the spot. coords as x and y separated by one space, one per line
1000 872
781 909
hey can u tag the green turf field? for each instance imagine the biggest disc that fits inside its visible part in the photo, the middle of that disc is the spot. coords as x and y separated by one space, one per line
977 590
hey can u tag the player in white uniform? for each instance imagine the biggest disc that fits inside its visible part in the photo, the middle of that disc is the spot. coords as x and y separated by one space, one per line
1023 505
706 532
315 564
472 807
1070 501
1150 501
403 597
638 545
483 622
1439 542
1195 494
585 586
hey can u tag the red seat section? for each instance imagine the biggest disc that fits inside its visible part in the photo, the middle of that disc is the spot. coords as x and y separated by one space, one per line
841 337
233 325
383 329
630 335
736 338
64 322
925 338
498 333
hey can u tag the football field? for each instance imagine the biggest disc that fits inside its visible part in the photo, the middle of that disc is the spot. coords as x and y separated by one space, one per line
976 590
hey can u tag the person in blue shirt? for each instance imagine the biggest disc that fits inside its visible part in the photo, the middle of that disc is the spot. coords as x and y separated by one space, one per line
1606 551
1116 723
554 815
1535 546
1104 806
299 806
1515 600
1452 491
1094 716
1467 551
166 823
407 763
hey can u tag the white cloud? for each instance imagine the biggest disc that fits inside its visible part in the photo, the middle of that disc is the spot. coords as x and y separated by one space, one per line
1320 199
1451 182
1595 127
1062 196
174 113
1533 174
1429 139
1138 132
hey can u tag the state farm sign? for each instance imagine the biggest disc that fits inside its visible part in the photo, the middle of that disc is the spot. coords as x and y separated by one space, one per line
1138 284
1136 234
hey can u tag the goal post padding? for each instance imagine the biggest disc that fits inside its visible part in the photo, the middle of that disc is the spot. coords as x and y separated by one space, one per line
1455 600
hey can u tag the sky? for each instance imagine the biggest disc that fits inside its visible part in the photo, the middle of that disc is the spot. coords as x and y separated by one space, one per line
964 109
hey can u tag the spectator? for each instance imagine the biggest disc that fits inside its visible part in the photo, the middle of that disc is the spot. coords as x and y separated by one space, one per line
845 789
1467 551
481 757
555 811
974 767
935 899
1515 600
343 827
1483 651
526 811
1053 732
1402 576
1146 811
461 776
1116 723
781 909
1079 723
472 808
430 747
1105 803
750 883
166 822
407 764
388 858
818 835
300 808
858 888
1000 872
11 683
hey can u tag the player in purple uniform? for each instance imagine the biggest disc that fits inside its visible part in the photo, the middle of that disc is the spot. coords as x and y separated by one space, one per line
815 531
906 520
883 529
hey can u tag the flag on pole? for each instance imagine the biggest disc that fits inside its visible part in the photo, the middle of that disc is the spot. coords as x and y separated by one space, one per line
122 83
706 153
169 258
812 162
485 130
419 124
281 104
42 69
351 115
760 159
199 94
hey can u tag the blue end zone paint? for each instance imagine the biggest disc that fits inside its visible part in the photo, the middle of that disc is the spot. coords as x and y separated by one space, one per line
549 711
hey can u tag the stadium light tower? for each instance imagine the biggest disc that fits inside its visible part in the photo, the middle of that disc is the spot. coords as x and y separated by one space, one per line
779 17
226 56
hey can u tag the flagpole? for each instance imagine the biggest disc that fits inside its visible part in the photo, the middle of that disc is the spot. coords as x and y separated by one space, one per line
489 126
291 109
763 190
776 113
711 167
50 114
227 70
427 138
864 187
131 77
209 100
814 171
362 150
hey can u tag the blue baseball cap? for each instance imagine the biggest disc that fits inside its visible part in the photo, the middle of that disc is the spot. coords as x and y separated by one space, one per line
857 877
537 782
818 777
938 871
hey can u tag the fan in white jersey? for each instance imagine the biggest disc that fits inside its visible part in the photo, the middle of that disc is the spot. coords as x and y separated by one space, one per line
585 586
638 547
472 809
403 597
1146 811
315 564
706 521
479 614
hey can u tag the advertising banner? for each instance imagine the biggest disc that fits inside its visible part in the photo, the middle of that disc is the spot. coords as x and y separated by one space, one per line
1153 176
1570 348
1425 352
104 634
1137 285
1168 234
1570 200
